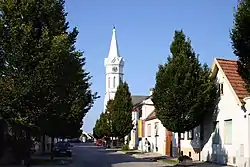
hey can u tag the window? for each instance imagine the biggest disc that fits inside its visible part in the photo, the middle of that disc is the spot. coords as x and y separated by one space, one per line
156 128
190 135
228 131
114 82
216 136
149 130
109 82
221 88
182 136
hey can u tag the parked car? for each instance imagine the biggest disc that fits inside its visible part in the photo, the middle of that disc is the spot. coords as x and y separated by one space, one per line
99 142
63 148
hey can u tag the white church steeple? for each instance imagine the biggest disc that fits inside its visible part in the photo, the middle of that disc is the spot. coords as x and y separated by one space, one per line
113 49
114 64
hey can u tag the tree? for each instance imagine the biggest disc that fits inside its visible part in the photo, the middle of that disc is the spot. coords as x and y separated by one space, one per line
43 80
108 117
240 36
122 111
184 92
101 127
97 130
105 131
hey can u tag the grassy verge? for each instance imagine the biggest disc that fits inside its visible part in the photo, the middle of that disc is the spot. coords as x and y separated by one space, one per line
132 152
113 149
39 161
172 161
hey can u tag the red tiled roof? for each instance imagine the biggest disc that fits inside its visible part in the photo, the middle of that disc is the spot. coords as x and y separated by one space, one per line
229 68
151 116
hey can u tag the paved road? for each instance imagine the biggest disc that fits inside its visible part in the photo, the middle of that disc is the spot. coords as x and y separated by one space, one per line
87 155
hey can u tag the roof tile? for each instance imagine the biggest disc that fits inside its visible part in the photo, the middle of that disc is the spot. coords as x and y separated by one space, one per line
230 69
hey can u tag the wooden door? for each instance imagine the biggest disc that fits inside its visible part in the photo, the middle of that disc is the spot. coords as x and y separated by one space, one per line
168 150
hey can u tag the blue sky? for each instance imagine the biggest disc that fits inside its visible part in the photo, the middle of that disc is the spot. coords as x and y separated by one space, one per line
144 31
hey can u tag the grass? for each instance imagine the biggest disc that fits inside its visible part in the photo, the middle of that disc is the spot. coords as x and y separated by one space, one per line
112 148
132 152
42 161
172 161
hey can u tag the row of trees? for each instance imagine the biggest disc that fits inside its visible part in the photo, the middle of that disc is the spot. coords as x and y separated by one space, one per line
116 120
44 87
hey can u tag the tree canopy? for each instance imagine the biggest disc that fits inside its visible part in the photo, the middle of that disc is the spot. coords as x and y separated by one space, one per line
43 80
240 36
184 92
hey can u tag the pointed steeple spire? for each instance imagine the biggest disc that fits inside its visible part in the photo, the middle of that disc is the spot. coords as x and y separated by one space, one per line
113 50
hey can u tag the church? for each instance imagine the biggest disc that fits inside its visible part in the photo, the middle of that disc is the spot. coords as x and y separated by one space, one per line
114 65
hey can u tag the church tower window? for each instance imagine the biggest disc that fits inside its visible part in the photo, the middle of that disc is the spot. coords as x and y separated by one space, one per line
114 82
109 82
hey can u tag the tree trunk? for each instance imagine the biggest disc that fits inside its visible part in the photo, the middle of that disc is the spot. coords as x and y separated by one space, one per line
179 144
28 146
112 142
52 148
43 144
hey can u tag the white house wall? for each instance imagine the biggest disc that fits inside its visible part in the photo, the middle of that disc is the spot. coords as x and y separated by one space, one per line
147 108
159 140
237 152
188 147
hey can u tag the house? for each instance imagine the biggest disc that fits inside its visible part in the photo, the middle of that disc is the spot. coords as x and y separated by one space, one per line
159 137
224 138
190 143
133 136
146 125
227 137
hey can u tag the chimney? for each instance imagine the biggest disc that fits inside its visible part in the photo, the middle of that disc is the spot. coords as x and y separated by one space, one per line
151 91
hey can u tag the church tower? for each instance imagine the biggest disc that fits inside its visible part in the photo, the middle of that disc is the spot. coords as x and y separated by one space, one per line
114 64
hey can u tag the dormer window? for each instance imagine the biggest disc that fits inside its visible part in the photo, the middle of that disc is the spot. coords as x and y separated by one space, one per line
221 88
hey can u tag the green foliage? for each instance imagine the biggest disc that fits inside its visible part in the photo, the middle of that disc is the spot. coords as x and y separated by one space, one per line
184 92
103 126
108 119
240 37
43 82
97 131
122 111
125 147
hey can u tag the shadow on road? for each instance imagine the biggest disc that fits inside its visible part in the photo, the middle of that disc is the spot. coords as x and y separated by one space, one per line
90 156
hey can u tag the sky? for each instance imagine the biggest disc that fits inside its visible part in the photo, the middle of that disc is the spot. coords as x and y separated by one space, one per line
144 32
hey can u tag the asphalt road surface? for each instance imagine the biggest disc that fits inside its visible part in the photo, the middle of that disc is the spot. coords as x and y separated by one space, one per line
88 155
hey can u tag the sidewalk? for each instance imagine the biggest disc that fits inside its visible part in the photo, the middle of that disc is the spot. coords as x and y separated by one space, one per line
158 157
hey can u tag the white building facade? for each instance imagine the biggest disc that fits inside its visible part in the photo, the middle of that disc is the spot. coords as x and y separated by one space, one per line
114 64
225 137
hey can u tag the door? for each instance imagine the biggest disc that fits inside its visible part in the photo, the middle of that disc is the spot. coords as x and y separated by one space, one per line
168 150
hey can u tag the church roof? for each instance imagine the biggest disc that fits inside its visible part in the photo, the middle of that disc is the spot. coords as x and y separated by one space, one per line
114 49
138 99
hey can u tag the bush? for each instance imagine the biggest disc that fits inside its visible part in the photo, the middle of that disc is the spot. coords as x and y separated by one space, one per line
184 157
125 147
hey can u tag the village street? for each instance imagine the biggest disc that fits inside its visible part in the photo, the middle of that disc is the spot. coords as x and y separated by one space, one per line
88 155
